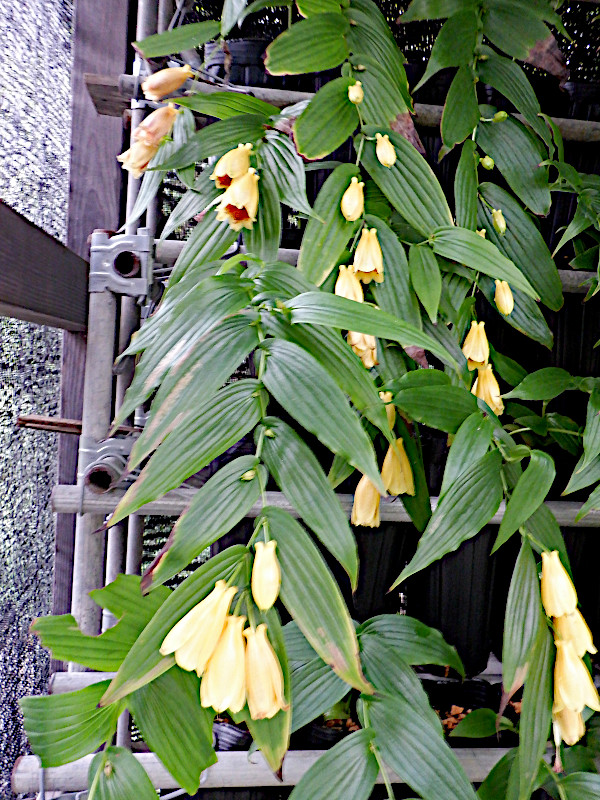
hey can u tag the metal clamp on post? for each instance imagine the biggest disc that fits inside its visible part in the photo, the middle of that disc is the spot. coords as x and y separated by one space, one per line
121 263
106 464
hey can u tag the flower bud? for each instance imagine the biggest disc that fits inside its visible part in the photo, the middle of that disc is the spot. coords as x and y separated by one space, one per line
573 628
266 575
396 472
249 475
385 150
390 409
264 677
368 258
355 93
482 232
365 509
365 347
137 158
573 685
165 81
239 202
487 389
487 162
233 165
353 200
475 347
348 285
558 593
503 298
498 221
224 683
156 125
567 726
500 116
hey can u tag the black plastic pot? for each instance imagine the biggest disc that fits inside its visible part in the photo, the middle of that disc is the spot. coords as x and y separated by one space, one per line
230 737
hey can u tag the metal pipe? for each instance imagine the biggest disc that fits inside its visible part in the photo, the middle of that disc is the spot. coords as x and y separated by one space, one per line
115 559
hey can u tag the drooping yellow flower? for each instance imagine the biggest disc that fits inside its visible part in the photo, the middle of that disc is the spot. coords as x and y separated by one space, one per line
137 158
368 258
224 683
573 685
475 347
266 575
487 389
233 165
355 93
194 638
396 473
165 81
239 202
365 347
353 200
567 726
390 408
558 593
498 221
573 628
348 285
385 150
503 298
365 509
156 125
264 678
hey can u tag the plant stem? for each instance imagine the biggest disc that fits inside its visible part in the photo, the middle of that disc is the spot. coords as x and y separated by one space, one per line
101 766
377 754
360 148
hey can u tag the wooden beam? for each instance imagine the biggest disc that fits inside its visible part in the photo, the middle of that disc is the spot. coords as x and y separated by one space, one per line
41 280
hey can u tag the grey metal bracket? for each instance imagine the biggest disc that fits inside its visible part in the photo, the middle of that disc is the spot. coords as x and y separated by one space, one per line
103 464
121 263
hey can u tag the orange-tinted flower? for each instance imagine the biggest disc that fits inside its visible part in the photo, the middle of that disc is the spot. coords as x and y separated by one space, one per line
165 81
396 472
368 258
487 389
475 347
239 203
156 126
365 509
137 158
233 165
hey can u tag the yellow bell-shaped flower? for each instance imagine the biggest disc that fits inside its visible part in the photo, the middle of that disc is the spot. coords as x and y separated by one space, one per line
365 509
503 297
266 575
396 473
156 125
385 150
355 93
568 726
239 202
224 683
348 285
487 389
365 347
498 221
558 593
233 165
353 200
165 81
390 408
573 628
573 685
476 348
264 678
194 638
368 258
137 158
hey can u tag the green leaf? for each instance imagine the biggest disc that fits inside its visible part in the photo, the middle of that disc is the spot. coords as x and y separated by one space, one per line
469 504
385 101
216 139
454 45
349 769
527 496
517 154
471 442
426 278
311 45
591 504
461 111
305 389
583 477
315 689
329 119
441 407
591 434
536 710
521 620
298 649
479 724
522 243
581 786
546 533
302 480
287 169
260 5
116 774
313 598
224 105
327 232
507 368
64 727
410 185
223 501
557 424
144 662
218 424
415 642
310 7
230 15
106 652
465 187
496 783
209 240
264 237
320 308
472 250
433 9
175 726
174 41
514 30
394 295
339 471
192 203
419 506
544 384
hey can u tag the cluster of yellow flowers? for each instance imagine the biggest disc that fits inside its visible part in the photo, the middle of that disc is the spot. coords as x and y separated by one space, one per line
573 685
239 201
396 475
477 352
236 665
